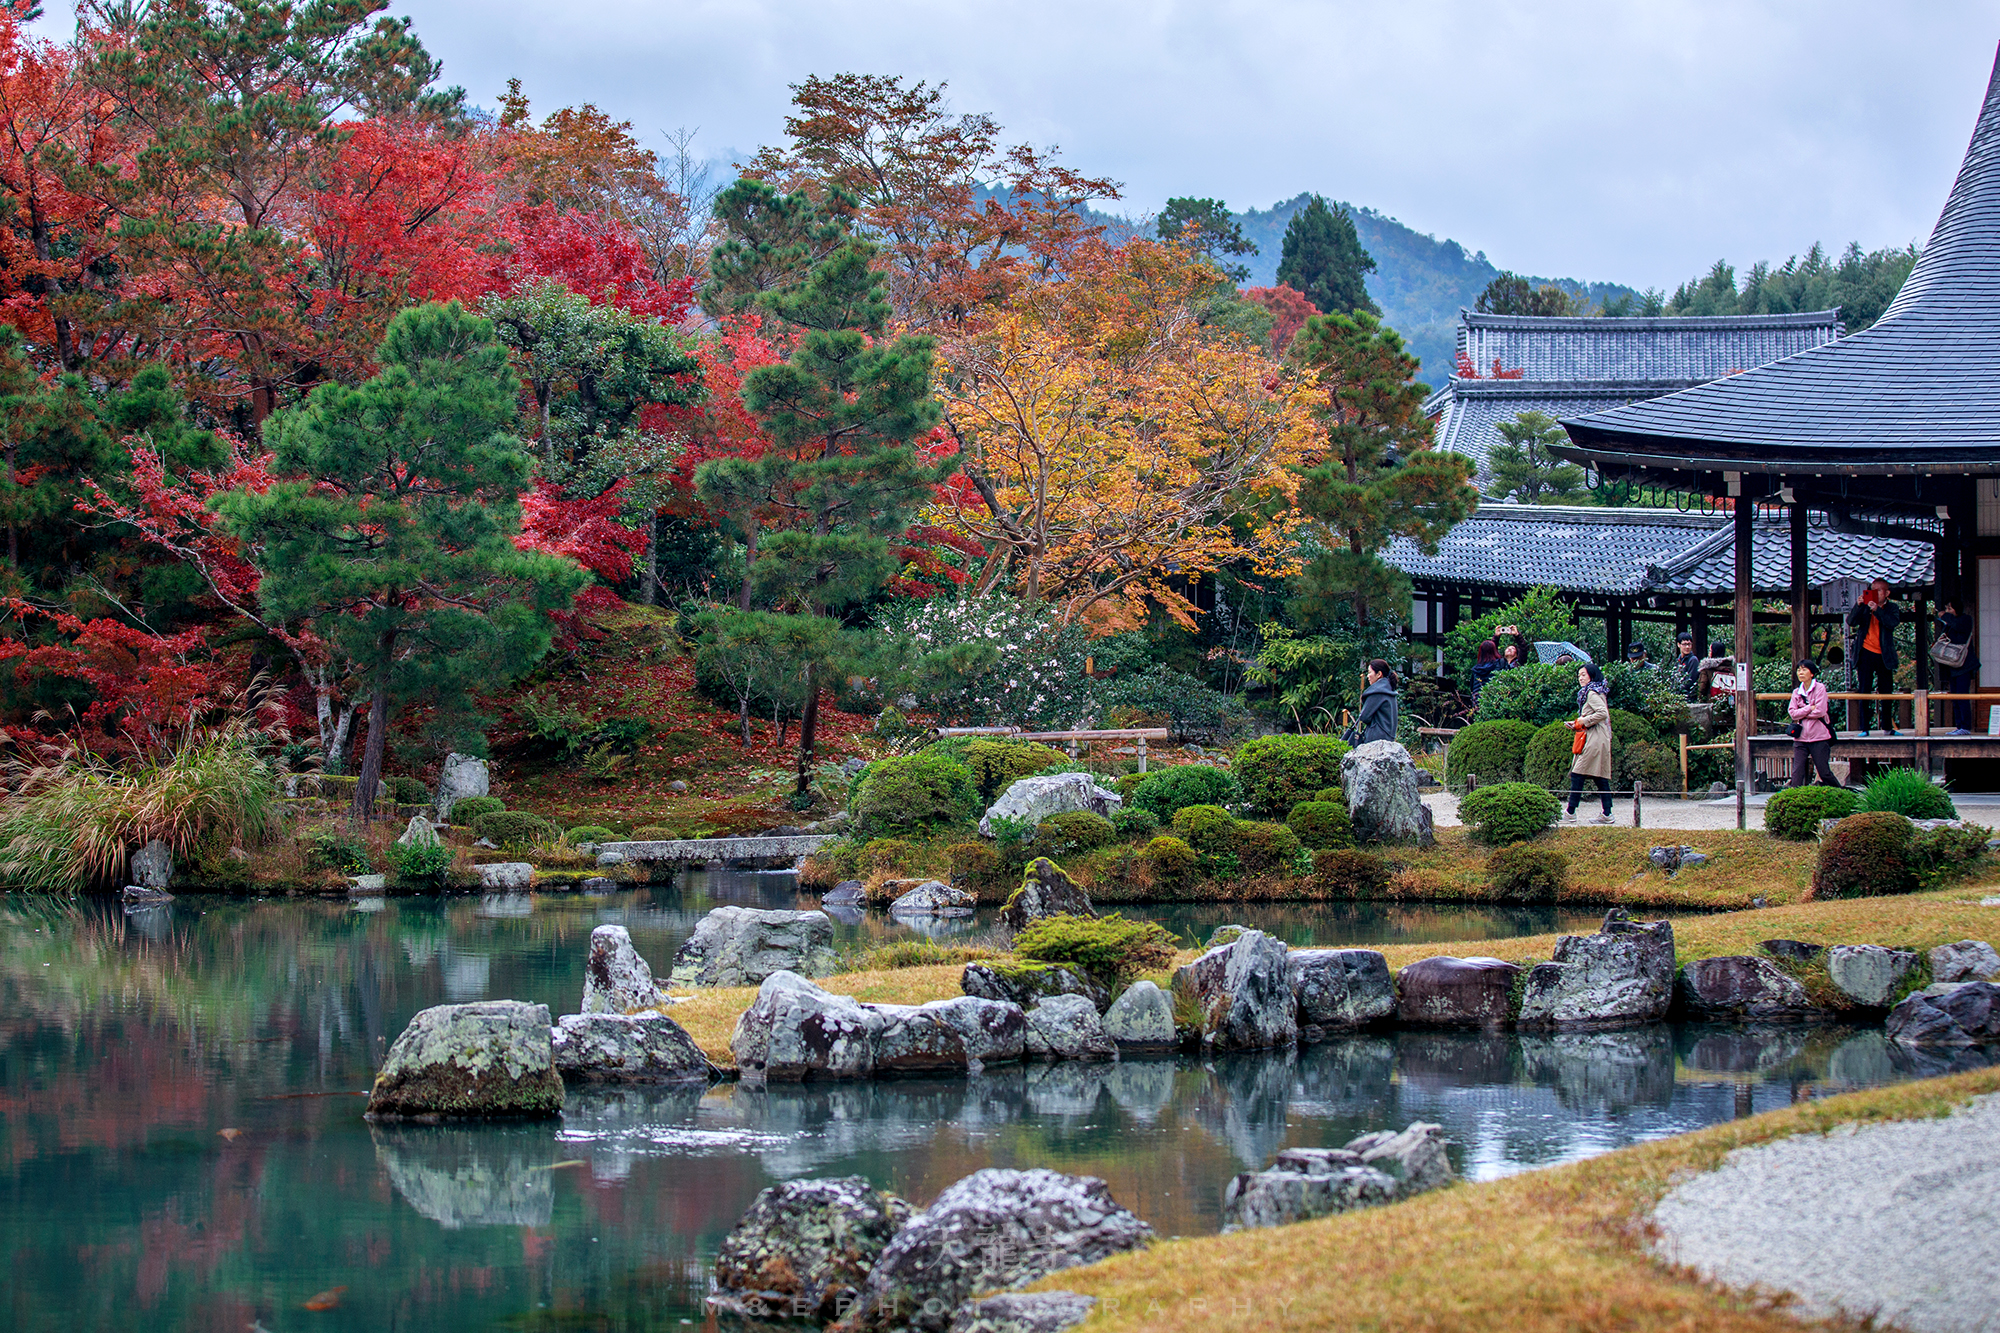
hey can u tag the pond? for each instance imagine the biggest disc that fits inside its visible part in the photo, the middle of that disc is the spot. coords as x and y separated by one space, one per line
181 1096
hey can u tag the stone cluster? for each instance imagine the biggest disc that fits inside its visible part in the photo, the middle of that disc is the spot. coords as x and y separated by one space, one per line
1304 1183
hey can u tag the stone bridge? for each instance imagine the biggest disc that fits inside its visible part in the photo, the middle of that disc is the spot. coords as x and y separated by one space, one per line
760 852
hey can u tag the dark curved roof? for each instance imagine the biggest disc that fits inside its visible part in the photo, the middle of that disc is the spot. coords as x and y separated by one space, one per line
1638 348
1917 392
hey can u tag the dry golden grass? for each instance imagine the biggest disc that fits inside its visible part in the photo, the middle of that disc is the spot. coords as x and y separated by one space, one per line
1554 1250
1608 865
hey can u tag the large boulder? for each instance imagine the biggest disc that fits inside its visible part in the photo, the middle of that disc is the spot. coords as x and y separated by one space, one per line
462 776
616 979
1380 780
1339 989
1142 1019
1025 984
934 898
1965 1014
915 1039
1868 974
1623 974
804 1248
741 946
994 1231
1456 992
1304 1183
1740 987
992 1031
1244 994
627 1048
1045 891
493 1058
505 875
1066 1027
794 1030
1024 1312
847 893
151 866
1035 799
1967 960
418 833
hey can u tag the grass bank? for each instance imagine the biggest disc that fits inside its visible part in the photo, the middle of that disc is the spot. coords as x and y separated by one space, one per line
1557 1249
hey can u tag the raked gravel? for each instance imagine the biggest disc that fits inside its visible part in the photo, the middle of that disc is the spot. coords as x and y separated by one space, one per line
1898 1221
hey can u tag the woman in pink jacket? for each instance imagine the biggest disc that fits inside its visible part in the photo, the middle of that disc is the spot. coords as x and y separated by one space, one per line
1813 741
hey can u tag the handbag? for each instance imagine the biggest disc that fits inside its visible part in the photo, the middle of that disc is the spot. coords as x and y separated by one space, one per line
1576 743
1948 654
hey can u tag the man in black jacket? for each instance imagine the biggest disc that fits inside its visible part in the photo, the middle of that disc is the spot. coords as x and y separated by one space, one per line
1873 622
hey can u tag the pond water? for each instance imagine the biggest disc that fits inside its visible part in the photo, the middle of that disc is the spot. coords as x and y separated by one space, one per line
181 1095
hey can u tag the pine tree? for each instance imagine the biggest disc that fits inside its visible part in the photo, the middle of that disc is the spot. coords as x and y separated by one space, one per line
1206 224
1322 257
1524 468
392 530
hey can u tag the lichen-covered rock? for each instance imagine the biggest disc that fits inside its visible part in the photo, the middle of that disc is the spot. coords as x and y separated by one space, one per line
993 1031
741 946
1795 951
1024 984
1867 973
1968 1014
1740 987
1045 891
616 979
804 1248
1967 960
1415 1158
794 1030
1456 992
994 1231
1380 780
914 1039
935 898
462 776
1024 1312
1244 994
493 1058
505 875
627 1048
151 866
847 893
1066 1027
418 833
1339 989
1624 974
1142 1019
1035 799
1371 1170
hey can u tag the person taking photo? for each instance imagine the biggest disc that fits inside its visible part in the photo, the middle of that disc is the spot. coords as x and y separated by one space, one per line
1873 622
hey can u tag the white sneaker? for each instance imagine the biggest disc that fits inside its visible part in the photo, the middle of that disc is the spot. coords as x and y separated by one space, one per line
1601 819
1569 817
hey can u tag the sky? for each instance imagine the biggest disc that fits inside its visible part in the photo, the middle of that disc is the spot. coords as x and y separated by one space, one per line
1626 142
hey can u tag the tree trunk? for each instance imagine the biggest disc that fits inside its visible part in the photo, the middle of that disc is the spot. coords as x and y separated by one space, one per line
743 716
649 582
749 563
13 533
808 732
363 809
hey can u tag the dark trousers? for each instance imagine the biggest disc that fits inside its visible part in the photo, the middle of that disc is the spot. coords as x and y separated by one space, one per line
1576 791
1872 676
1809 757
1961 709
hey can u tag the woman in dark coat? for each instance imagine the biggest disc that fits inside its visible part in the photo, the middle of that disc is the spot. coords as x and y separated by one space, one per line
1955 625
1483 667
1378 703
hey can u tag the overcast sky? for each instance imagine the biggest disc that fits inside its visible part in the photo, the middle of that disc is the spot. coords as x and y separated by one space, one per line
1632 142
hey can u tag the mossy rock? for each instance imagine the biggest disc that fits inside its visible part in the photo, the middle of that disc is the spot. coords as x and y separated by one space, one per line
490 1059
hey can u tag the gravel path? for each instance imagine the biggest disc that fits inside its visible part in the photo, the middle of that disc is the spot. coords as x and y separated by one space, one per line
1897 1221
1654 812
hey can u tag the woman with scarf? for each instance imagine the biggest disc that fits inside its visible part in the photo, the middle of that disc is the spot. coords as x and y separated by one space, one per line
1378 704
1812 737
1593 727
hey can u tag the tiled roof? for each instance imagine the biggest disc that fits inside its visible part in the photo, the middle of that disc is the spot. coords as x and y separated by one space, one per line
1919 390
1470 411
1628 552
1692 349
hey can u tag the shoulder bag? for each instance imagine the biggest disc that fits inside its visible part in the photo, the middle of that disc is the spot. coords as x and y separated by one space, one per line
1948 654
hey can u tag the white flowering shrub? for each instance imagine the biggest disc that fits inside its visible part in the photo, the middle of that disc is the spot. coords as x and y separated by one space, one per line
1033 675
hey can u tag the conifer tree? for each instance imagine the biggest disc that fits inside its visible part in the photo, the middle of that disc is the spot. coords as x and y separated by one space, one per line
1206 224
1322 257
1525 468
392 528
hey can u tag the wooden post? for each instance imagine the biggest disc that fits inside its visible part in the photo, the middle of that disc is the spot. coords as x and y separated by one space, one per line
1638 792
1920 749
1801 595
1741 815
1746 698
1684 763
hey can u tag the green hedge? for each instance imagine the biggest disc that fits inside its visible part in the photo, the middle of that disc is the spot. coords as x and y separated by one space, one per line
908 793
1075 831
1524 872
1489 751
1863 856
1908 791
1796 812
1171 790
1277 772
1110 948
1508 812
468 809
1549 757
1321 825
516 827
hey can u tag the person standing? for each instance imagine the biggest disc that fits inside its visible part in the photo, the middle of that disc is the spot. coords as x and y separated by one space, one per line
1378 703
1484 665
1593 724
1812 737
1873 621
1956 627
1687 665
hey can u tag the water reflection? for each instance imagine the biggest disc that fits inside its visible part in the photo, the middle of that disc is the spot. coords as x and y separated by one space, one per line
486 1177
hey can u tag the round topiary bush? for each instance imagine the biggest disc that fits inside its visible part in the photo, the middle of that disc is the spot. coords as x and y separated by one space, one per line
468 809
1171 863
1508 812
1076 831
1263 849
658 833
1110 948
887 855
1171 790
1206 828
1548 758
1346 873
1910 792
1654 763
1863 856
408 791
1277 772
1132 822
1523 872
515 828
907 793
1488 751
589 833
1631 729
1795 812
1321 825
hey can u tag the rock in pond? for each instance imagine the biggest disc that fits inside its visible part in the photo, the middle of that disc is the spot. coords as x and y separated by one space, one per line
993 1031
914 1039
795 1030
1456 992
1024 1312
1244 993
1066 1027
1035 799
493 1058
1142 1019
995 1230
627 1048
1025 983
1622 975
462 776
133 896
505 875
804 1248
1380 780
1045 891
1867 973
1968 1014
934 898
847 893
483 1177
1339 989
151 866
1737 987
1371 1170
616 979
1967 960
741 946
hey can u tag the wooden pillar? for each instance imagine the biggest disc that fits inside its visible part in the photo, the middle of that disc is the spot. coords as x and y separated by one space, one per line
1701 631
1801 595
1450 611
1746 698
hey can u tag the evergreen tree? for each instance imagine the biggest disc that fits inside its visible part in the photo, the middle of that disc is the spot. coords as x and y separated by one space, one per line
1524 468
1512 294
1206 225
1380 477
1322 257
392 529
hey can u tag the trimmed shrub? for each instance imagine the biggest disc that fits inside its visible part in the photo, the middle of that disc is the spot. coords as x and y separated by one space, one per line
887 854
589 833
1536 694
1795 812
1171 863
514 827
1262 848
1108 947
1865 855
912 792
666 833
1940 855
1508 812
1522 872
424 864
408 791
1126 783
1653 763
1549 757
1346 873
1076 831
1489 751
975 865
1132 822
1277 772
1171 790
1908 791
1206 828
1321 824
996 764
1631 729
468 809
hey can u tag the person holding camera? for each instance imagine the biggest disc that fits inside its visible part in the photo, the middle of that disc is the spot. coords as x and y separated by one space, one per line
1812 731
1873 622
